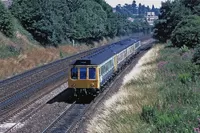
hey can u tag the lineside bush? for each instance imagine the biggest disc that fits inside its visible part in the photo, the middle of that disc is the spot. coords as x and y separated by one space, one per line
6 22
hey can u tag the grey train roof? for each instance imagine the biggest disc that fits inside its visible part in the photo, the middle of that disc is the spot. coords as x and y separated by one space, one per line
104 54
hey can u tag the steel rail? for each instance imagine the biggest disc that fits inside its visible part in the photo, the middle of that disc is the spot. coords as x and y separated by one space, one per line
66 110
63 123
25 92
32 112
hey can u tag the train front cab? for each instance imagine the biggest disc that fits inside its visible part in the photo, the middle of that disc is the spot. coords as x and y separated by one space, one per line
84 79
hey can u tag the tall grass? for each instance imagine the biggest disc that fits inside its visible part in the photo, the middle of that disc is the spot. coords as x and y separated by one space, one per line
179 94
164 98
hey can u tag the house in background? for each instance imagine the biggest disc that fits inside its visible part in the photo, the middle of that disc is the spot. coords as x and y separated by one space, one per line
151 17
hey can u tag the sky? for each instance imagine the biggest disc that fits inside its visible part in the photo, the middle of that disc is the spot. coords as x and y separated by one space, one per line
113 3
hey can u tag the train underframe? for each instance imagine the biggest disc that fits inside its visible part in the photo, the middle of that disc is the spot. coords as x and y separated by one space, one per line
86 91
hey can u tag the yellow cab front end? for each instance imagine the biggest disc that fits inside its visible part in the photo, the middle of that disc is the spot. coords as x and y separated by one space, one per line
84 77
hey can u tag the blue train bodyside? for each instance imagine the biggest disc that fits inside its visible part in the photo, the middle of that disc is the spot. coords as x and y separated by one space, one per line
117 50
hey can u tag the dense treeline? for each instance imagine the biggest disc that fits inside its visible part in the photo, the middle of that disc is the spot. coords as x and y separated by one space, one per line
171 14
134 10
59 21
6 22
179 22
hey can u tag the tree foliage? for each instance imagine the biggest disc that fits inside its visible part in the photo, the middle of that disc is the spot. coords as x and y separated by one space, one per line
171 14
196 57
58 21
180 21
187 32
6 22
88 21
46 20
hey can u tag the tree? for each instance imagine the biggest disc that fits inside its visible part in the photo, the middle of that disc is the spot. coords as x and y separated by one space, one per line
134 7
190 3
140 9
46 20
171 14
143 9
88 21
52 22
148 9
196 56
6 22
153 8
160 29
187 32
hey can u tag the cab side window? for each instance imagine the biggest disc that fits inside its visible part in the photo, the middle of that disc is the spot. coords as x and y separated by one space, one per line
83 73
74 73
92 73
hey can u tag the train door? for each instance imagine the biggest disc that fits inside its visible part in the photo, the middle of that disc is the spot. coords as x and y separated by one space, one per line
115 62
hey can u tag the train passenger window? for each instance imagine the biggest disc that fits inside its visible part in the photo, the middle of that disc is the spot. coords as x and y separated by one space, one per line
83 73
92 73
102 69
74 73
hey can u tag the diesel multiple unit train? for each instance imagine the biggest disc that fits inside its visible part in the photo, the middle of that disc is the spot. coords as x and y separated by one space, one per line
89 74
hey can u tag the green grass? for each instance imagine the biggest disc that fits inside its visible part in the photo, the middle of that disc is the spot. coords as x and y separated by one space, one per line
8 51
64 54
164 99
20 28
179 94
11 47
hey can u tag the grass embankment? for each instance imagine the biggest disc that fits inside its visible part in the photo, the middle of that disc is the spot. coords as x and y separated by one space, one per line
163 96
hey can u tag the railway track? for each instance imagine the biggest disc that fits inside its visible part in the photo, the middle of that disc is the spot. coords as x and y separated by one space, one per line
68 121
8 104
8 108
32 110
22 81
28 86
66 118
7 101
12 85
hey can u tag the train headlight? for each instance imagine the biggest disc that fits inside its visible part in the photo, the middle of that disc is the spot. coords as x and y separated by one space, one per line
92 85
73 86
